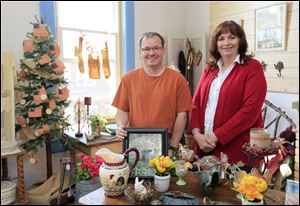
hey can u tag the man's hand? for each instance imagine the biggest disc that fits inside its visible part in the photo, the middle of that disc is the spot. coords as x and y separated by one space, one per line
121 133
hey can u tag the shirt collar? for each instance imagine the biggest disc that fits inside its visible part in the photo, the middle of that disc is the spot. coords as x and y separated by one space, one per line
237 60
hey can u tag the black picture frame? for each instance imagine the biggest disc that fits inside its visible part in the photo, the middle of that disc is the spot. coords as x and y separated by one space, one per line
150 142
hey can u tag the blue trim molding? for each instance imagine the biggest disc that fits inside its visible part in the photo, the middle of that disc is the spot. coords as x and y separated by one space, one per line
47 12
128 36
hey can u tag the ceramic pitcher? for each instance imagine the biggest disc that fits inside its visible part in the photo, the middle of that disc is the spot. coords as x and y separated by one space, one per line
114 172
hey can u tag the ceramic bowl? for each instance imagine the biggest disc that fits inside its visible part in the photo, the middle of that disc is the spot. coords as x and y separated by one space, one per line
111 128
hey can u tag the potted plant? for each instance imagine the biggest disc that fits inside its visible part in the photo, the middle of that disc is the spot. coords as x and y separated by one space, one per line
87 175
162 166
97 122
251 188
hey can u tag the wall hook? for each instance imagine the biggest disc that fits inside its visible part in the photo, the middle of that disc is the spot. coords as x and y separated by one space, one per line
279 67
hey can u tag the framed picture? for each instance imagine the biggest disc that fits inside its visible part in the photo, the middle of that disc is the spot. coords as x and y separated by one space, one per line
150 142
270 28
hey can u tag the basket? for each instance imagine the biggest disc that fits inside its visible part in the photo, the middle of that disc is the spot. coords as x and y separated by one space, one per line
8 192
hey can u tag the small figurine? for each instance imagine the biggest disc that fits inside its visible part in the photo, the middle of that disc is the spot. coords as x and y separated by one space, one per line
185 153
139 187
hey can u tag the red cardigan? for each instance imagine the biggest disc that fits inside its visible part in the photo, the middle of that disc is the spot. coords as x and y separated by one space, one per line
238 109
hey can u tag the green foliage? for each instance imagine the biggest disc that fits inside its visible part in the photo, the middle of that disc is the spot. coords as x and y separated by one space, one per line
97 120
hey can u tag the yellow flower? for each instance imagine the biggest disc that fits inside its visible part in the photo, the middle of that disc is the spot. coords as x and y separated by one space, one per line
161 164
250 186
187 165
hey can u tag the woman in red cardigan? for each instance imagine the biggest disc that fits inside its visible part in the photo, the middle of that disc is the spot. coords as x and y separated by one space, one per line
229 96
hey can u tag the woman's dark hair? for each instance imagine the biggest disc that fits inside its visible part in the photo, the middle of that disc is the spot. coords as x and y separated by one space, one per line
151 34
237 30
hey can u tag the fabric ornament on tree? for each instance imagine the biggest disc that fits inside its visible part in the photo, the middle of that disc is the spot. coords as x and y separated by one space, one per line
51 106
44 129
40 31
105 61
35 112
55 50
40 95
21 121
94 67
27 45
63 94
58 67
44 59
22 75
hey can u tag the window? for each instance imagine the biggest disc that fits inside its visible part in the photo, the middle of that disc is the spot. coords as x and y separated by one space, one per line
98 23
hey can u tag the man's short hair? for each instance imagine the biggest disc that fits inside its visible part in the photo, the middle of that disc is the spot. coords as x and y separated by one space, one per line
151 34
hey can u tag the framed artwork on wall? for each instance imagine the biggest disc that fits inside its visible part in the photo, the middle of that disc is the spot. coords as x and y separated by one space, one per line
270 28
150 142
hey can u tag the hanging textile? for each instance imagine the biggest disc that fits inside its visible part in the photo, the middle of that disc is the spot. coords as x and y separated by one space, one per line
189 64
94 67
105 61
79 54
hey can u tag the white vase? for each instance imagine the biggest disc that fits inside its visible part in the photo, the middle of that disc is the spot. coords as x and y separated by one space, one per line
246 202
162 183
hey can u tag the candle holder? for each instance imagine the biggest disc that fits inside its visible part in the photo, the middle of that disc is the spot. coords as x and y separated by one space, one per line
88 102
80 116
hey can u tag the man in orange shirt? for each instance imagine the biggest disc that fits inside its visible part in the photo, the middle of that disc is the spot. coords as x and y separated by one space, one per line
153 95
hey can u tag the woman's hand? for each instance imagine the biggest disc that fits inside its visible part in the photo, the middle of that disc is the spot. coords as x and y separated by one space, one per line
203 142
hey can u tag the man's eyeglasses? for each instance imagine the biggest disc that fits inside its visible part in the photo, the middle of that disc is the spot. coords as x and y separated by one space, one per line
154 49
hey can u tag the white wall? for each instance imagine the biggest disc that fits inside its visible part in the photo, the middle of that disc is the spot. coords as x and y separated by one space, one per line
15 23
159 16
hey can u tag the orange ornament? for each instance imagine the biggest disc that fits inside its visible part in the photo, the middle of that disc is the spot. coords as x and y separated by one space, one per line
40 31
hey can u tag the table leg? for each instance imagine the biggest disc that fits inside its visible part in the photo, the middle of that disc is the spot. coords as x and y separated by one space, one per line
21 187
73 164
4 168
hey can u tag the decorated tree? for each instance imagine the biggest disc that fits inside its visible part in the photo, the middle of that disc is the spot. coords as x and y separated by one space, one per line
42 93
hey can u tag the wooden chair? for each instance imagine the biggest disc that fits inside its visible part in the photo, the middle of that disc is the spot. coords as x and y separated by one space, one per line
278 179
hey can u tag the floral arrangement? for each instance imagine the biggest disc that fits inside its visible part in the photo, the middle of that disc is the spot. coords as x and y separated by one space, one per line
162 165
97 122
251 187
88 167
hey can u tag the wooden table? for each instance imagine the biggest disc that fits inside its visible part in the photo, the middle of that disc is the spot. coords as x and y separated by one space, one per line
90 147
222 193
20 171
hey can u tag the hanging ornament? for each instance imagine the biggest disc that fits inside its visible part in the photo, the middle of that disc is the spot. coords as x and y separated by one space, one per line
45 59
40 31
58 67
22 75
63 94
35 112
32 157
52 104
23 102
49 111
40 95
27 45
55 50
21 121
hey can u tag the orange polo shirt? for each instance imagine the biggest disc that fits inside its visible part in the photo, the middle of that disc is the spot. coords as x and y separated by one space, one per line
153 101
